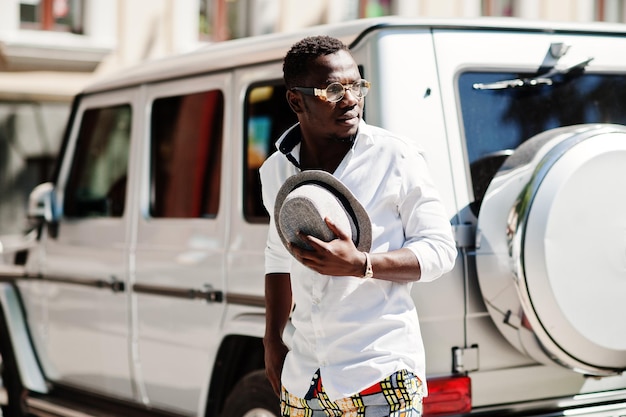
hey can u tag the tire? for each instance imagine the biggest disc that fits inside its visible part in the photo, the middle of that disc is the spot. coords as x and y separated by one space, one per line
253 396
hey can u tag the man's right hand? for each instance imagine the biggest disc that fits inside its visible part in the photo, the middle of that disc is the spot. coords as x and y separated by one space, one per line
277 310
275 352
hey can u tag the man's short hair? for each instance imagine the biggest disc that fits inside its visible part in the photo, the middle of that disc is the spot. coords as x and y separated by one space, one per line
296 62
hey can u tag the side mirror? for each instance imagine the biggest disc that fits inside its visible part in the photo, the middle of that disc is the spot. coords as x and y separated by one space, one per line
41 205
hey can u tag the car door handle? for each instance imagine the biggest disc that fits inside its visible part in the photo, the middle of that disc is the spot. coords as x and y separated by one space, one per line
113 283
207 293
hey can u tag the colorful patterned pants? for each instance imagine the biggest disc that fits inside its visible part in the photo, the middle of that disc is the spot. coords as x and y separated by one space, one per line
399 395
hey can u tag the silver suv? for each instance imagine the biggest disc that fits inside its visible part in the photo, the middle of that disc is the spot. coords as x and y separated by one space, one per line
140 291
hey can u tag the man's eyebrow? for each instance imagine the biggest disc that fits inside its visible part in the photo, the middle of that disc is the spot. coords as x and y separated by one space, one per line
339 80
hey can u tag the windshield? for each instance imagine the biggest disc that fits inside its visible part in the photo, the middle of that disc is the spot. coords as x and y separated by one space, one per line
496 121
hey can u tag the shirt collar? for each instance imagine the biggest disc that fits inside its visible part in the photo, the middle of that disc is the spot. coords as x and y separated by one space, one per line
290 140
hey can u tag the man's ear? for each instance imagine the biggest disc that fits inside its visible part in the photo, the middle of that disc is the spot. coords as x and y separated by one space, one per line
295 101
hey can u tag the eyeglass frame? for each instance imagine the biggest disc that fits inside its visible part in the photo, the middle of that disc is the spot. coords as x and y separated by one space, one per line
321 93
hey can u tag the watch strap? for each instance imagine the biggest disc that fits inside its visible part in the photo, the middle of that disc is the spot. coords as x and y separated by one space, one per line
369 272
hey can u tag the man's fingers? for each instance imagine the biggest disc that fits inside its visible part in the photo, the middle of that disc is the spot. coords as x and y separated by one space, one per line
315 243
338 232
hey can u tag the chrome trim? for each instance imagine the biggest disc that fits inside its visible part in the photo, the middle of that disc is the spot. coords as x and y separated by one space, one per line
44 408
521 208
245 300
112 284
208 293
9 273
66 400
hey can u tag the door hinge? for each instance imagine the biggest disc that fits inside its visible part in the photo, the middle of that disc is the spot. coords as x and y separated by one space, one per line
465 359
464 235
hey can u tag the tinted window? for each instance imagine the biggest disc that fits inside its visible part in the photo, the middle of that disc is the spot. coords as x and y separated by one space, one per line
497 121
97 181
186 155
267 116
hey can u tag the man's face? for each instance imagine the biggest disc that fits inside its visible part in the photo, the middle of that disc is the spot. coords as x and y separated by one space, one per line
321 118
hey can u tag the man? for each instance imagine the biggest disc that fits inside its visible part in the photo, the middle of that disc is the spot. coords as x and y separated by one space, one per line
356 347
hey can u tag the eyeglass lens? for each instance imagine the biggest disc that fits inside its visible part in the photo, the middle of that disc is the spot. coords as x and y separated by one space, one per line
336 91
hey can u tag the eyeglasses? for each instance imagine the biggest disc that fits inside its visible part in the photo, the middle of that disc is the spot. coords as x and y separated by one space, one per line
336 91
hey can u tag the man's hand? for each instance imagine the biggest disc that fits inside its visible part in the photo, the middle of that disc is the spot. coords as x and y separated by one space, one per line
277 309
275 352
339 257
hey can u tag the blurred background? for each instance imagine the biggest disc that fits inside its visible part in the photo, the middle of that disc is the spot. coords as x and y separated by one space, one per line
50 49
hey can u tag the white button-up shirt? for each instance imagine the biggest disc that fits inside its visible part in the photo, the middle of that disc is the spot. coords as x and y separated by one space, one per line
359 331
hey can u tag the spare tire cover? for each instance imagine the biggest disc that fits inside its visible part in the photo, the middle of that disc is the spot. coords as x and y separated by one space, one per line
551 248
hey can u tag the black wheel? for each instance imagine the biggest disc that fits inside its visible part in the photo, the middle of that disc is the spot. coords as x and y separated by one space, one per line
252 397
11 382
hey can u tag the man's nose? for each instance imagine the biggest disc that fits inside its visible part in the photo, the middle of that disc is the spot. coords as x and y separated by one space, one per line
349 96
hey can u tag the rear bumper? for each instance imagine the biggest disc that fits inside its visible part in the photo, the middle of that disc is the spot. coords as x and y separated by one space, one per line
604 404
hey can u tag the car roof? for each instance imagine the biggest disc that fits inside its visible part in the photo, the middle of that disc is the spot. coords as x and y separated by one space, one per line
272 47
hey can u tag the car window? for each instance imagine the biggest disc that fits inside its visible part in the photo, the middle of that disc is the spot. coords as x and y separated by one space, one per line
498 120
267 116
97 182
186 143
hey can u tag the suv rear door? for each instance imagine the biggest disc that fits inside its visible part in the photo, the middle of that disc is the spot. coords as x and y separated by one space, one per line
509 106
181 240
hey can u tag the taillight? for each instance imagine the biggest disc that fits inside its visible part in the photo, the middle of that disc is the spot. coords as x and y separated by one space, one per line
448 395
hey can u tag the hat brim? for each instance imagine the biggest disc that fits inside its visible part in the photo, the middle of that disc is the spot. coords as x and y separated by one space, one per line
362 238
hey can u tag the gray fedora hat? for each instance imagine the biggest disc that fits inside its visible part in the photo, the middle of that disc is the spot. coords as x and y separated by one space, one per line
305 199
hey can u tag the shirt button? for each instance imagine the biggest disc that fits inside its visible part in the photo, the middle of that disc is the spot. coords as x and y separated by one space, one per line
316 300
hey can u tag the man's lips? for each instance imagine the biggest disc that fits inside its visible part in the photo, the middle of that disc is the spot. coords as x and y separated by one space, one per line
348 116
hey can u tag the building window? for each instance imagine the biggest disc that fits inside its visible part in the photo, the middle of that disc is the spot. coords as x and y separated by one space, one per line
267 116
186 155
221 20
53 15
610 11
498 8
375 8
206 20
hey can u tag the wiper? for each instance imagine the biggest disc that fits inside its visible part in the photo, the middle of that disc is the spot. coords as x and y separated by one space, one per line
543 79
518 82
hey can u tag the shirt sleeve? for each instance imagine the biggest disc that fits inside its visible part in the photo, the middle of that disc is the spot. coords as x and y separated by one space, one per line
277 258
428 231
